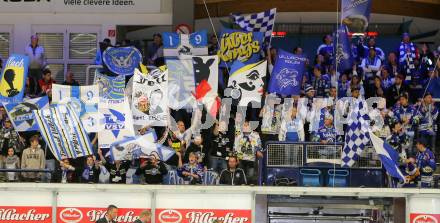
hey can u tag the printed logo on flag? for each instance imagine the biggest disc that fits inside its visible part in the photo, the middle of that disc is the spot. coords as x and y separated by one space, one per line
175 44
239 45
21 114
122 60
356 14
110 88
12 82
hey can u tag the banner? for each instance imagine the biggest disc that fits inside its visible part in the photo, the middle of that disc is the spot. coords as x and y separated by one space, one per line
63 132
176 44
206 77
246 83
356 15
13 79
110 88
28 207
118 122
150 91
139 147
344 57
287 75
84 101
121 60
22 116
181 83
240 45
84 207
202 208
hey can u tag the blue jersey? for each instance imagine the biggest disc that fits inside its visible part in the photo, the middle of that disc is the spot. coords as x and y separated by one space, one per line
400 142
404 112
426 162
343 88
193 169
427 118
379 52
321 85
326 134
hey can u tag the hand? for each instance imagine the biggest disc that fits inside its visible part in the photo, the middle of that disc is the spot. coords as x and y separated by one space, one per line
184 173
99 152
259 154
144 164
324 141
195 176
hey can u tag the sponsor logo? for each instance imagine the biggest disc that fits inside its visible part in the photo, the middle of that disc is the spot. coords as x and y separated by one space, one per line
25 214
71 215
170 216
425 219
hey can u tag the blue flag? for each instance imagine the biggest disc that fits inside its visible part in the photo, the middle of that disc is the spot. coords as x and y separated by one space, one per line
239 45
21 114
13 79
287 74
344 57
388 156
195 44
121 60
356 14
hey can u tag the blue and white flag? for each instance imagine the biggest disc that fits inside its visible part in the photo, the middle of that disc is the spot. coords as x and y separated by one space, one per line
84 100
356 15
139 147
110 88
357 135
388 156
118 122
121 60
63 132
181 83
21 114
242 46
13 79
175 44
262 22
287 75
344 57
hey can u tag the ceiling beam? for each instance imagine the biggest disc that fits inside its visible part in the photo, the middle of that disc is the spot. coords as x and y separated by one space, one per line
219 8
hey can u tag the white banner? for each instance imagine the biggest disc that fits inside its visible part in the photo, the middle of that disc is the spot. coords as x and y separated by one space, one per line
80 6
150 104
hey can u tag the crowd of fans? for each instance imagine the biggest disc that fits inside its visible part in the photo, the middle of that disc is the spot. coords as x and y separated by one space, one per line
408 78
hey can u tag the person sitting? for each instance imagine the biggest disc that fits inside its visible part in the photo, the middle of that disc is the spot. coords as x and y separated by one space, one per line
192 171
70 80
233 175
46 83
153 169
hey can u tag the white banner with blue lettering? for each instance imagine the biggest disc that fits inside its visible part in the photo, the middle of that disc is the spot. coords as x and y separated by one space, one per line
175 44
84 100
21 114
118 122
63 132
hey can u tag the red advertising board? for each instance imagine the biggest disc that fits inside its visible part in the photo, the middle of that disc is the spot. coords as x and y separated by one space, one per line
28 214
91 215
424 218
202 216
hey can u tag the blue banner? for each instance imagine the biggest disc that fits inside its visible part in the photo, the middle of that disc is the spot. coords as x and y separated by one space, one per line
344 57
22 116
122 60
175 44
110 88
13 79
240 45
356 15
287 74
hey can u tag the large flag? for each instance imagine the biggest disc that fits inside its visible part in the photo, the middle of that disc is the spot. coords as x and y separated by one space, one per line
13 78
239 45
181 83
175 44
22 116
63 132
110 88
344 57
263 22
139 147
206 78
356 15
121 60
287 75
357 135
388 156
150 101
85 101
118 122
246 83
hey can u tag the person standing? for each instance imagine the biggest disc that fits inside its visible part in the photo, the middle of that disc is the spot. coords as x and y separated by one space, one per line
33 158
144 217
36 54
110 216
